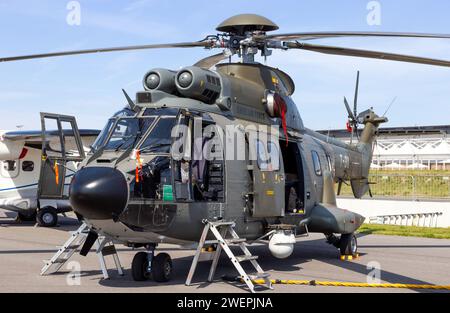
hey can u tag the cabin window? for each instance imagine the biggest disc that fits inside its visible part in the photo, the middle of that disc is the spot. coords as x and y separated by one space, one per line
268 159
317 165
10 166
28 166
330 163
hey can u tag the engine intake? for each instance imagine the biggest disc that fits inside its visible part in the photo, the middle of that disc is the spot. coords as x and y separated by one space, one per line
197 83
160 79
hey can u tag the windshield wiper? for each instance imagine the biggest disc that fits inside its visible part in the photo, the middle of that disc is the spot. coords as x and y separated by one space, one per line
127 152
155 146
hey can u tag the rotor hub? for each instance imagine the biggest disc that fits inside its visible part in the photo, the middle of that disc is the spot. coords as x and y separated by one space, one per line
243 23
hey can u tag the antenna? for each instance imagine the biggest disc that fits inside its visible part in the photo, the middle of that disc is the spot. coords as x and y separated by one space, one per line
131 104
390 106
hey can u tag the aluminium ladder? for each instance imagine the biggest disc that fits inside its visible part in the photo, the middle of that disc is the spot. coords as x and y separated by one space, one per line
220 230
104 246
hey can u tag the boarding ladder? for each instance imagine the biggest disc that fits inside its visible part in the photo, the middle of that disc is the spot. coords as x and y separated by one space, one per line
220 231
104 246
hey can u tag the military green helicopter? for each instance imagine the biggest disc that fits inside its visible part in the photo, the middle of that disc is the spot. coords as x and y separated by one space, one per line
162 167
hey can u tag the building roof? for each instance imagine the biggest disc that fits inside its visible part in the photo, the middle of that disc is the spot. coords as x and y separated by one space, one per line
396 131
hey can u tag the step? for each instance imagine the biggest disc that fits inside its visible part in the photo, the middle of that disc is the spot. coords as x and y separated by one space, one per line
60 261
256 276
232 241
223 223
71 247
244 258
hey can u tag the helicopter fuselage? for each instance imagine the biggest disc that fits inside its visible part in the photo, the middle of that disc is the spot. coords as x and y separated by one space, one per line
132 188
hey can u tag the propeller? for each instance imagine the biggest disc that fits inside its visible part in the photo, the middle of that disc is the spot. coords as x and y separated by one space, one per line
352 115
246 38
203 44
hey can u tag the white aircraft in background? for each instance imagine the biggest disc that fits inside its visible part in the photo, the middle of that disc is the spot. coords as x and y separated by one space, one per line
23 157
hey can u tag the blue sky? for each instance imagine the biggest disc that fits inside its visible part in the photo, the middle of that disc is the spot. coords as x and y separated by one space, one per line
90 86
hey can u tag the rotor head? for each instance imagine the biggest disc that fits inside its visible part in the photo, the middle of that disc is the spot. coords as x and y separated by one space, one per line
242 23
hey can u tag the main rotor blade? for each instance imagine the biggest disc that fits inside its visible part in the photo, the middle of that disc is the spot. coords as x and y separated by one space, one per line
210 61
322 35
366 54
204 44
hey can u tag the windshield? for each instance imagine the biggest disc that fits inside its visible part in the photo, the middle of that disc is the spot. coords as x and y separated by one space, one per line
159 140
127 132
103 136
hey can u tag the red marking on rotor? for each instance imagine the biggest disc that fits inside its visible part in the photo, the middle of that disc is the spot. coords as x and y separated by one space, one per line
349 127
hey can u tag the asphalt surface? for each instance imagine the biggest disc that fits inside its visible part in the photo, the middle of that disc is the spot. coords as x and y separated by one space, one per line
402 260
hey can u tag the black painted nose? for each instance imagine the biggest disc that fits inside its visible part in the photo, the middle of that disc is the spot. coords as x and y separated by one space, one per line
99 193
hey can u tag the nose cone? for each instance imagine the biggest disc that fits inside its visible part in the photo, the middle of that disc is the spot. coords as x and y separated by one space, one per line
99 193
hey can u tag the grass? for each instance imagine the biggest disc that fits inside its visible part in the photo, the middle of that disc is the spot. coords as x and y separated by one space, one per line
408 184
405 231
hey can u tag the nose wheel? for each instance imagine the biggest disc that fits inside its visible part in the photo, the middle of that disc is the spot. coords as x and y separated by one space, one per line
146 266
348 245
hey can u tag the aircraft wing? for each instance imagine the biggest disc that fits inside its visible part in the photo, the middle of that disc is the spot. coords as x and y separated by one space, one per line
36 135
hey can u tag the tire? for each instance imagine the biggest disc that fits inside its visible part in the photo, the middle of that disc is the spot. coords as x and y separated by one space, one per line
162 268
22 217
348 244
47 217
139 267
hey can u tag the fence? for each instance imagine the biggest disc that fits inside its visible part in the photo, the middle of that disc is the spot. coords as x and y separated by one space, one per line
407 187
418 219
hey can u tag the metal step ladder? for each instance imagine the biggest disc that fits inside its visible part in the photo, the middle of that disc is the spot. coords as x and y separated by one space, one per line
104 246
220 230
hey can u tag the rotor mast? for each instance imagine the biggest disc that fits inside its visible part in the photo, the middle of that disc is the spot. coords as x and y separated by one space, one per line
244 31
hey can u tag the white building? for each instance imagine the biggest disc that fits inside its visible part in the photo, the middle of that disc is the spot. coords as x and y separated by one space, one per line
421 148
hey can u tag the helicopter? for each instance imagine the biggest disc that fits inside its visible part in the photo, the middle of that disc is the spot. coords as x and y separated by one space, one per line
161 167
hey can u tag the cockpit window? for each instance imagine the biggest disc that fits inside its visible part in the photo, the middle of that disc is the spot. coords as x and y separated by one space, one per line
125 113
127 132
103 136
159 140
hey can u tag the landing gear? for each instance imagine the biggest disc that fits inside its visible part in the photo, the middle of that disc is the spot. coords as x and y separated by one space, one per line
139 267
147 266
348 245
47 217
162 268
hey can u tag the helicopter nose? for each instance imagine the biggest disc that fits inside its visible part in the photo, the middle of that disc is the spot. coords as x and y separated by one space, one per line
99 193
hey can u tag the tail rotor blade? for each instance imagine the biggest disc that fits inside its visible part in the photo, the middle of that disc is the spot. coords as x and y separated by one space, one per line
349 110
355 105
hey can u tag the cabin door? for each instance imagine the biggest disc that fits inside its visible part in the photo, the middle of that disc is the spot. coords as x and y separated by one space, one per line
61 149
268 177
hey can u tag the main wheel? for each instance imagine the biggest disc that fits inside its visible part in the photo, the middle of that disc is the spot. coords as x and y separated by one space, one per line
139 267
162 268
47 217
348 244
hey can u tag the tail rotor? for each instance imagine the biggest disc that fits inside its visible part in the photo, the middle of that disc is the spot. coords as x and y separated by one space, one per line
352 124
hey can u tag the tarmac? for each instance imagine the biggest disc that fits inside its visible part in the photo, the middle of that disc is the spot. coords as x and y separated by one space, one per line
403 260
